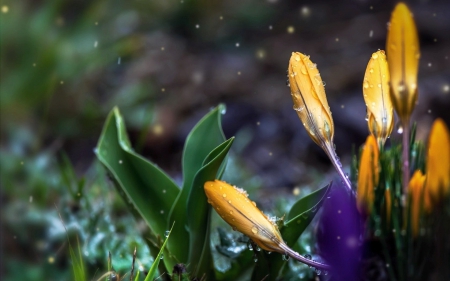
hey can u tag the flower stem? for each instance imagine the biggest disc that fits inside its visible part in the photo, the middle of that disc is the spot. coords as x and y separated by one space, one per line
329 150
304 260
405 159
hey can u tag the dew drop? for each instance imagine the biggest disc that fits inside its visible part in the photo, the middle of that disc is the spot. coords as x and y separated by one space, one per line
162 257
374 56
297 58
166 234
299 109
365 85
255 259
231 212
254 230
224 195
285 257
318 271
307 256
371 70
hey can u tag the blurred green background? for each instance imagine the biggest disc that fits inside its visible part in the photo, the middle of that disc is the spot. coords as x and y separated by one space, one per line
65 64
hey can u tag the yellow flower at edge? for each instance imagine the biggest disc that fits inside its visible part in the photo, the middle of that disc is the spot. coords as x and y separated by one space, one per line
415 190
438 161
310 101
380 113
233 205
403 55
368 174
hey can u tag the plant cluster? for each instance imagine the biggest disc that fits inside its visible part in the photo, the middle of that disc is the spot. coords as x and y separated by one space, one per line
401 219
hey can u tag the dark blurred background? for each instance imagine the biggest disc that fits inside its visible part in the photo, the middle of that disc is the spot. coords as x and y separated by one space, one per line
65 64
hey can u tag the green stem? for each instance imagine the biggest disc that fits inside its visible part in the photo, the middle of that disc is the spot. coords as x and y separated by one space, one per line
405 159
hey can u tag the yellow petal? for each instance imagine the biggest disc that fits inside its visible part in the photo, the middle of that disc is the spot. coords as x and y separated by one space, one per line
438 161
403 55
310 101
368 174
233 205
380 113
415 192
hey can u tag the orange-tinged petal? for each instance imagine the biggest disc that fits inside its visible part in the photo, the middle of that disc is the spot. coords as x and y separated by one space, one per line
310 101
380 113
233 205
403 55
415 192
388 203
368 174
438 161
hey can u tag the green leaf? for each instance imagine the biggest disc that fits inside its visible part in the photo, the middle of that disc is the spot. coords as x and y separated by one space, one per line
203 138
302 213
79 271
199 211
147 190
299 217
152 272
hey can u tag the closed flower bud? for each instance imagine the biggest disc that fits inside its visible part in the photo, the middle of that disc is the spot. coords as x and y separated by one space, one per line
233 205
368 174
438 162
310 102
416 195
380 113
403 55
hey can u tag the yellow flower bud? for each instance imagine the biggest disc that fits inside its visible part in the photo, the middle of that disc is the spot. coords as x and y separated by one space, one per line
415 190
368 174
438 161
403 55
310 101
380 113
233 205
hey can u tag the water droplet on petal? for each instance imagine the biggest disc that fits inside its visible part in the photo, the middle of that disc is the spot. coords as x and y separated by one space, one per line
254 230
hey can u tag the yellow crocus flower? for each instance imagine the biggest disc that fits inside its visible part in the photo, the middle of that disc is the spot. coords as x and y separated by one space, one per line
403 55
311 105
368 174
415 190
310 101
380 113
233 205
438 161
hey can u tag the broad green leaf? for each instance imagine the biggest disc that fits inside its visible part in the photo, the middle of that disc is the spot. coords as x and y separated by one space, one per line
152 272
147 190
199 211
203 138
299 217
